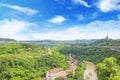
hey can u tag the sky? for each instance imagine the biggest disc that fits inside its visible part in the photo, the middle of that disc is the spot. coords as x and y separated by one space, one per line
59 19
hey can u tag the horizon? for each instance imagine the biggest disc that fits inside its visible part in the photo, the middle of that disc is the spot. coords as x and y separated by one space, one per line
61 40
59 19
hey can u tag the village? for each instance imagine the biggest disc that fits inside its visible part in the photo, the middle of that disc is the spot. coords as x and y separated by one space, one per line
59 72
62 74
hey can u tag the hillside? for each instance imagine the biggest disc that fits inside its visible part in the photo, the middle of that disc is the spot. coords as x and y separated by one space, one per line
31 61
94 52
48 43
104 53
27 61
106 42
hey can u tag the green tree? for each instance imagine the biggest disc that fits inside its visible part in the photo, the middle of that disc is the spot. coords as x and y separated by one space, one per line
108 69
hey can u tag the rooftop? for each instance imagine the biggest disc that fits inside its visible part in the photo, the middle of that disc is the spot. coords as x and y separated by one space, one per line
69 70
55 70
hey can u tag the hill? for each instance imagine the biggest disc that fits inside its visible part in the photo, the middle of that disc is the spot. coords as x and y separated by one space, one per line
106 42
28 61
6 39
95 51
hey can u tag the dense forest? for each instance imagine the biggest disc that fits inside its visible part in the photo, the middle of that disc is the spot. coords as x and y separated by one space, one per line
105 53
95 52
23 61
108 69
27 61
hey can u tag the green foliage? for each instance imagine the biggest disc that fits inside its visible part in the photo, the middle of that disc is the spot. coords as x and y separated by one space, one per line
58 79
70 75
106 42
27 61
93 54
30 62
80 71
4 65
78 74
108 69
53 61
96 52
33 48
12 48
89 52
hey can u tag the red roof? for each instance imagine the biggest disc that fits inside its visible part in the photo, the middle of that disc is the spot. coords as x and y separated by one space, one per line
55 70
69 70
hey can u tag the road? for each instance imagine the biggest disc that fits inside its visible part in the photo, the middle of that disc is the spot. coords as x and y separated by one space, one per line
90 73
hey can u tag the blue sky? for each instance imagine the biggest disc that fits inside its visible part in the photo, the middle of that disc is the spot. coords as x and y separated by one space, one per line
59 19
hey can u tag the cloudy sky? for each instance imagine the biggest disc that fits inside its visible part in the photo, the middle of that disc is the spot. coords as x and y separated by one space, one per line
59 19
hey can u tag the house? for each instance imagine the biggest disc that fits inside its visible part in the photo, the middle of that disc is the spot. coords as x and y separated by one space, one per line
55 73
59 72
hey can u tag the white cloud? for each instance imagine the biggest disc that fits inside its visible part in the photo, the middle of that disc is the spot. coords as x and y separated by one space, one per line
11 28
25 10
57 20
108 5
20 30
82 2
93 30
80 17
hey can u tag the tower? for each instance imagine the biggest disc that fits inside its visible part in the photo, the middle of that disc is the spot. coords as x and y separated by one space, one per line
107 37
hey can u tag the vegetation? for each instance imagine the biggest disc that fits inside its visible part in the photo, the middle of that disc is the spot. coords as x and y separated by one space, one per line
108 69
27 61
21 61
7 40
78 74
105 49
106 42
88 52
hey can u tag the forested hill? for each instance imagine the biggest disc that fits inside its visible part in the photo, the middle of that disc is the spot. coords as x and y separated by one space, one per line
48 43
52 43
95 52
104 53
28 61
106 42
23 61
6 39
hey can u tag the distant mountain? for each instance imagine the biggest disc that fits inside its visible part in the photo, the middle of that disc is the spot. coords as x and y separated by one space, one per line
106 42
6 39
66 41
50 43
86 40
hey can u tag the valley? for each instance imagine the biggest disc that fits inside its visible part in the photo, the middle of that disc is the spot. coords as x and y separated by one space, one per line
29 61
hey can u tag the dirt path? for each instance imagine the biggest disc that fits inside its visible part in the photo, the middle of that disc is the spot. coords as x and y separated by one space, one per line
89 73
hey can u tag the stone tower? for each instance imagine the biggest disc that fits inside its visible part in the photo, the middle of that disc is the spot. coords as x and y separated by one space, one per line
107 37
